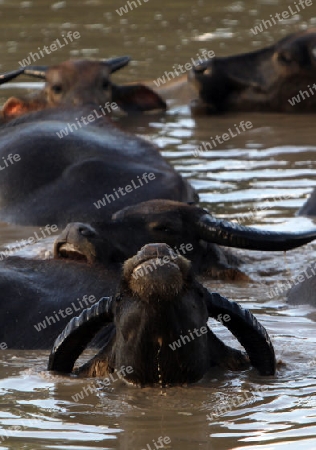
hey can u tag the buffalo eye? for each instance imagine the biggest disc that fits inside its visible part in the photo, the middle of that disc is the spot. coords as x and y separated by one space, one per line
57 88
285 57
163 228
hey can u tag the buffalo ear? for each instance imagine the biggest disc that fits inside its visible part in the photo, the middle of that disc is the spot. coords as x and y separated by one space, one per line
137 97
15 107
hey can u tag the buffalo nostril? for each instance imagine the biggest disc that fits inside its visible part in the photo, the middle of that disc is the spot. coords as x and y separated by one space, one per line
199 70
203 70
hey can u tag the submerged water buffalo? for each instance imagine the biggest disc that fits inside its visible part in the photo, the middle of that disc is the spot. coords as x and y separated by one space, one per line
157 302
81 82
280 77
54 171
69 162
39 297
192 231
303 290
309 207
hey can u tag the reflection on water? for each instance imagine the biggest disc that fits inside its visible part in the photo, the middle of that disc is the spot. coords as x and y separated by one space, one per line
274 161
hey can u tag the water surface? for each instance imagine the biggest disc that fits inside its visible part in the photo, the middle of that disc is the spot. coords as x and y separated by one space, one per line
260 178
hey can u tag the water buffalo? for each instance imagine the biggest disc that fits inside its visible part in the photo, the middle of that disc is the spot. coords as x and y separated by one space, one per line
39 297
303 290
45 294
157 302
303 286
309 207
70 162
280 77
192 231
81 82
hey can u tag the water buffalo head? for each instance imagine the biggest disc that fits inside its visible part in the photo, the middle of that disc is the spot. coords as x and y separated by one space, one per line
263 80
158 301
190 230
81 82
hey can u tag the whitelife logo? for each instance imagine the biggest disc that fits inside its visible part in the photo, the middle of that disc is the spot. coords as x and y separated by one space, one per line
55 45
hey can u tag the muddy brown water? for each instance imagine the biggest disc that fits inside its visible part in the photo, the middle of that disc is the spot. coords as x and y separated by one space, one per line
273 161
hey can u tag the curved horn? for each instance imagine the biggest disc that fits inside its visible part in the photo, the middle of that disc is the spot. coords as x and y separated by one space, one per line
36 71
78 333
117 63
230 234
5 77
246 328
